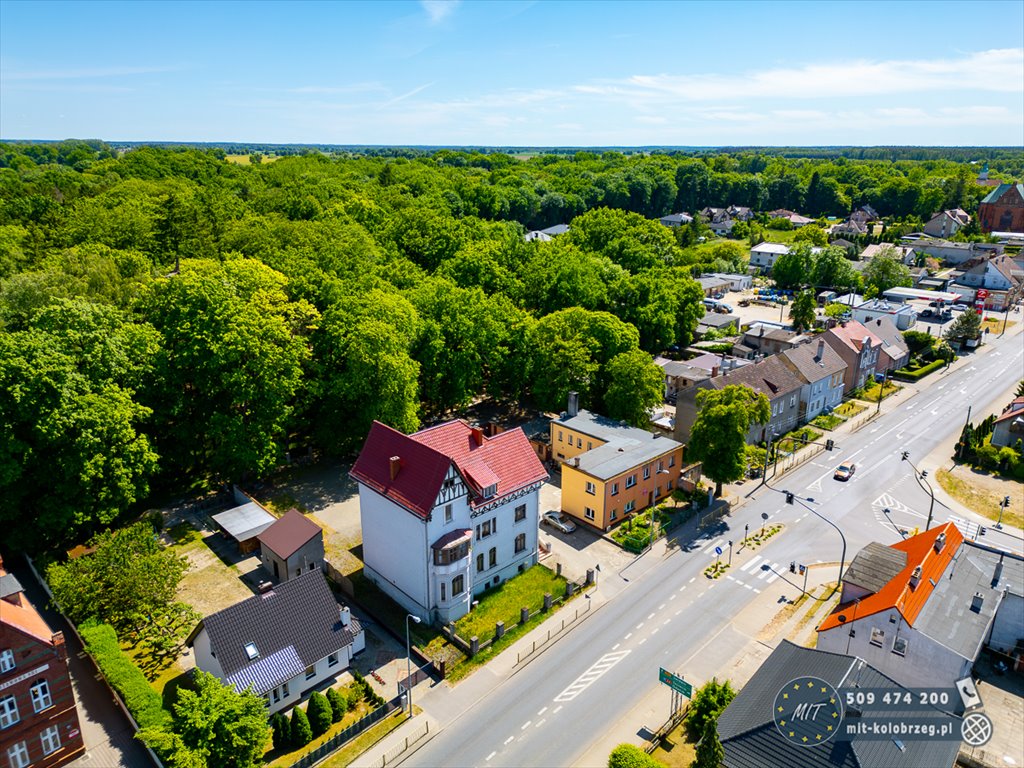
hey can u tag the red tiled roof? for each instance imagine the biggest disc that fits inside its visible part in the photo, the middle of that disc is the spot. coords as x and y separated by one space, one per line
897 593
852 335
285 536
17 612
1015 408
506 460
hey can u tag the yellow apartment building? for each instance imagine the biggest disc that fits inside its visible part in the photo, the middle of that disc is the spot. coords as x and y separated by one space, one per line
610 469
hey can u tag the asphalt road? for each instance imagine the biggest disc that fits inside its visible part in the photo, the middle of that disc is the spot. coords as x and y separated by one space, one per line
663 612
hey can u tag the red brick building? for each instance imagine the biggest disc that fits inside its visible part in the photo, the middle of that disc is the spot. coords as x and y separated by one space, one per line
1002 210
38 720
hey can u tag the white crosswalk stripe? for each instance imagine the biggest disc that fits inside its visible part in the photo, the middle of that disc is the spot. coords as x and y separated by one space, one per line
710 550
750 564
584 681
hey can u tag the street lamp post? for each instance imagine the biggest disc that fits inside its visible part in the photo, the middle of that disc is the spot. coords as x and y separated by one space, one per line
842 557
919 476
408 658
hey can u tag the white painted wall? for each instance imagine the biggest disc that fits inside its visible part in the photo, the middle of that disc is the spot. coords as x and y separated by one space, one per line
395 550
926 663
205 659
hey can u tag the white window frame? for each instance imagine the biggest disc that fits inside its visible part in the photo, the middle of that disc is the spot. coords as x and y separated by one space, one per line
615 489
17 755
520 513
630 506
7 660
672 460
40 694
333 660
899 646
276 695
447 513
591 488
50 739
311 672
588 513
630 481
8 711
877 636
647 473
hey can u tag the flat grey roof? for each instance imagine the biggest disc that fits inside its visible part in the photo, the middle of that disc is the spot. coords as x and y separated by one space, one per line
618 456
245 522
947 617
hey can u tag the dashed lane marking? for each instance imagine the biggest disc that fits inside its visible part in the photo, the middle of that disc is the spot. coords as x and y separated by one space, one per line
596 670
642 641
556 710
490 755
526 725
540 722
628 636
661 606
509 740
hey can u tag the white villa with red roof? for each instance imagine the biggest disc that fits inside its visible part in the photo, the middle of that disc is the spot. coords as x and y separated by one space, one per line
446 513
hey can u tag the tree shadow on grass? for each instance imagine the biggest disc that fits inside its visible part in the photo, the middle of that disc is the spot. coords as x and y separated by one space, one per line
170 692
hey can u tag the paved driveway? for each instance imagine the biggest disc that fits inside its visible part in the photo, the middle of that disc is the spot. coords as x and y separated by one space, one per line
109 739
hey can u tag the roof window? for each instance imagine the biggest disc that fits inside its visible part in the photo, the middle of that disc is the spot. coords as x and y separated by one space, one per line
251 651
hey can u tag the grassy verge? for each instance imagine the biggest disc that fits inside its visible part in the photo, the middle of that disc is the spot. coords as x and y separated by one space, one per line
827 421
981 500
504 602
280 503
871 392
676 750
279 759
634 535
850 409
364 741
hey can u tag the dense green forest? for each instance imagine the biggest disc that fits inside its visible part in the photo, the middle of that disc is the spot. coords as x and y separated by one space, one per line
171 319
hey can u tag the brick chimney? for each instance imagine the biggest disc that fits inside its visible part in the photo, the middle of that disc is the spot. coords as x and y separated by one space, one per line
478 437
395 464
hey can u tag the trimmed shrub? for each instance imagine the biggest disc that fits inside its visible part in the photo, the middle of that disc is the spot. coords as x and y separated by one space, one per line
282 731
339 705
318 710
355 695
301 732
629 756
145 704
905 374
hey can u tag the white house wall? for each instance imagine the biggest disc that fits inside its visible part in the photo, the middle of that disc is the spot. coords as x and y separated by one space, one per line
926 663
395 550
204 657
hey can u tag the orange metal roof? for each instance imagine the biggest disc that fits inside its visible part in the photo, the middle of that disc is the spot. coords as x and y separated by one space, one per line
22 616
897 593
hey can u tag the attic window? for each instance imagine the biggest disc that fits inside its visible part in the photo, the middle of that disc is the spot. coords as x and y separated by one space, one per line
489 491
251 651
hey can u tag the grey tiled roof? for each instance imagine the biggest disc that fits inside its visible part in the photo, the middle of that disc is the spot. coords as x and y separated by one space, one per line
803 359
625 446
875 566
751 740
293 626
9 585
769 377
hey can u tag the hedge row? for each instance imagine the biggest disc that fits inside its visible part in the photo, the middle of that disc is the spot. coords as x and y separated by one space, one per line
145 704
906 374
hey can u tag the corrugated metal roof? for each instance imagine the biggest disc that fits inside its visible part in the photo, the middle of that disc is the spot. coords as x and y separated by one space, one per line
245 522
875 566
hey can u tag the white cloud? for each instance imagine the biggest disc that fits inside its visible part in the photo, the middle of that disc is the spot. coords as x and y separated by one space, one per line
999 70
438 10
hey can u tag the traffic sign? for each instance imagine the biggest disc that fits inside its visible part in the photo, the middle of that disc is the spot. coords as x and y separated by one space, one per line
718 550
675 682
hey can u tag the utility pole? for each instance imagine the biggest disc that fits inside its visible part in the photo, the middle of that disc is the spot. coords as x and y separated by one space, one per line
919 476
1002 507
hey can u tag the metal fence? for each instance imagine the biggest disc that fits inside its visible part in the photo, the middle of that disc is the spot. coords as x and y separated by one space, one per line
552 632
340 739
410 741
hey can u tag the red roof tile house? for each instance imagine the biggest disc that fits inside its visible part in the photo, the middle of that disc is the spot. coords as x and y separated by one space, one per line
446 513
38 719
292 546
859 348
921 610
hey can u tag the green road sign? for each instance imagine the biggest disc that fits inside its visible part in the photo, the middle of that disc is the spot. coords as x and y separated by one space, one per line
675 682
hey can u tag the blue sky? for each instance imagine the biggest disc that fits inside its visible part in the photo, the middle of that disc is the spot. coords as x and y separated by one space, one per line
515 73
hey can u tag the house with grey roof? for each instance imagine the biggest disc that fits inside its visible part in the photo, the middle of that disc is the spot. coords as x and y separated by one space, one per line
674 220
679 375
712 284
764 255
904 316
282 643
291 546
753 735
922 609
822 371
895 352
769 377
244 523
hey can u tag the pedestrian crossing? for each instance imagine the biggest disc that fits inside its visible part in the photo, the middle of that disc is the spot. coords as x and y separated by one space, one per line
757 568
588 678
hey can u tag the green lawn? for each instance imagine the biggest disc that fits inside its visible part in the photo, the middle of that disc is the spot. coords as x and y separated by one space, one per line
365 740
827 421
503 603
850 409
794 441
635 533
871 391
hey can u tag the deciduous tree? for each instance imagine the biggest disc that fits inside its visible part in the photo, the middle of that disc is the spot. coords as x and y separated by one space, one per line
802 310
718 436
886 271
635 386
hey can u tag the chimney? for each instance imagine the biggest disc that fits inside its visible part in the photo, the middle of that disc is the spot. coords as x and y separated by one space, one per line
395 464
915 577
714 371
345 614
998 573
478 436
940 542
574 404
576 461
821 350
977 601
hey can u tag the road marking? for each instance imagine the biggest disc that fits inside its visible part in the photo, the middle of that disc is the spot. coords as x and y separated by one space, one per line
644 640
737 581
672 597
509 740
639 625
628 636
490 755
710 550
614 648
712 584
679 611
526 725
662 624
683 587
556 710
545 709
661 606
746 586
655 631
598 668
540 722
692 580
650 616
860 450
750 564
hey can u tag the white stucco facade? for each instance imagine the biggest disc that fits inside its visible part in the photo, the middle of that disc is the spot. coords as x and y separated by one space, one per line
432 570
